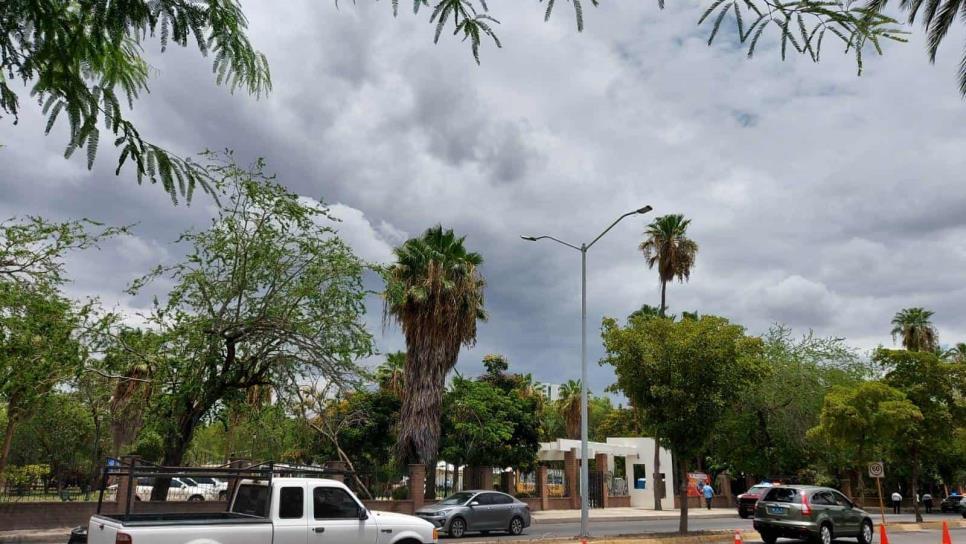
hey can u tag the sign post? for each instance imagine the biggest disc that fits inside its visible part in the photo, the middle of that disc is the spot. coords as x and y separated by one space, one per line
877 471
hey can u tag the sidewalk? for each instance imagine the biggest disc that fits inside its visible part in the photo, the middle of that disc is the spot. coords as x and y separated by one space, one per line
629 514
45 536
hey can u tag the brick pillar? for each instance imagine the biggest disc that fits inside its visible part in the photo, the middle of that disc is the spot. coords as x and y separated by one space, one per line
570 477
126 484
542 490
338 468
600 460
237 463
486 478
508 482
417 485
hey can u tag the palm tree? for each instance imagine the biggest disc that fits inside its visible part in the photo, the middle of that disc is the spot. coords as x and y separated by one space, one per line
569 407
915 329
389 375
434 291
668 247
957 353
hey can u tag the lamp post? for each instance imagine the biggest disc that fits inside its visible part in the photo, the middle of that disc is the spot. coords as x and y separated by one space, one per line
584 477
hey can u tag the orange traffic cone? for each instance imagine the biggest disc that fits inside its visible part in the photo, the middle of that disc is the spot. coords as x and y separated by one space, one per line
883 536
738 537
946 537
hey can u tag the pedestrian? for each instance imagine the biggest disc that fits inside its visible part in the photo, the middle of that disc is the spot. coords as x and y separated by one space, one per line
927 500
896 502
708 494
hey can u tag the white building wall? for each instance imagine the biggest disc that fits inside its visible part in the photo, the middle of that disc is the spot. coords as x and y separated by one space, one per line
644 498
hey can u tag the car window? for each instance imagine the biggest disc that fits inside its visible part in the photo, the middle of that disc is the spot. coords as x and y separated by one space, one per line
759 489
783 494
175 484
189 482
251 500
501 499
841 499
291 503
819 498
145 481
205 481
333 503
457 498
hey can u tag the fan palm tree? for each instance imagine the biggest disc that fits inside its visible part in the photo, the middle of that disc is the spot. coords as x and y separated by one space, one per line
666 245
569 407
957 353
434 291
914 328
389 375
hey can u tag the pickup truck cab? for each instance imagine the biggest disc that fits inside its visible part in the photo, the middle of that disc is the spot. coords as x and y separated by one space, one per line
280 511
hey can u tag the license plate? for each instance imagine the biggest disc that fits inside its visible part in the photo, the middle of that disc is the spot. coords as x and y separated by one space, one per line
777 510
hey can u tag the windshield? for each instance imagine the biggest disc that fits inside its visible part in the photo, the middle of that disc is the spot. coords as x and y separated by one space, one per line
458 498
759 489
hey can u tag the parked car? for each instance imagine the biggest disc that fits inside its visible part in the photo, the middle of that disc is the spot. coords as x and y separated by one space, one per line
477 511
817 514
748 499
951 503
181 489
218 488
286 510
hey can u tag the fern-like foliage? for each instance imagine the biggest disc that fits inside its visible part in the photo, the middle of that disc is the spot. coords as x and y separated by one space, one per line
803 25
82 58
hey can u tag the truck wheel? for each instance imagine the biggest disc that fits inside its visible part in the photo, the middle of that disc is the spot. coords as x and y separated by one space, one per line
196 498
516 526
457 528
742 514
768 537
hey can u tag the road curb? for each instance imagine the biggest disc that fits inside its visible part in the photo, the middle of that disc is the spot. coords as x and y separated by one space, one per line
46 535
924 526
704 537
631 517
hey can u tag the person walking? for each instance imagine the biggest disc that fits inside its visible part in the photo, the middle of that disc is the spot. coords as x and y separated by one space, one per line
927 501
896 502
708 494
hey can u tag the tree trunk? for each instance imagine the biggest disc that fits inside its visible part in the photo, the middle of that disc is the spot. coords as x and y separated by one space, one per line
419 428
860 487
7 441
657 483
175 447
683 493
430 491
663 298
915 486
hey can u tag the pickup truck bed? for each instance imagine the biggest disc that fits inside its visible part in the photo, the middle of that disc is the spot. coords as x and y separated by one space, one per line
201 518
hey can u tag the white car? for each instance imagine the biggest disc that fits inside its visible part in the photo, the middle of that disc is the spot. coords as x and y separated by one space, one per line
286 511
181 489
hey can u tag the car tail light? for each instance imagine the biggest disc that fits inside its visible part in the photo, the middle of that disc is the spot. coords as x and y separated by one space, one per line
806 507
123 538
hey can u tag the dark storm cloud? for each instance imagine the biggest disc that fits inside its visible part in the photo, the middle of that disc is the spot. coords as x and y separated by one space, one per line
819 199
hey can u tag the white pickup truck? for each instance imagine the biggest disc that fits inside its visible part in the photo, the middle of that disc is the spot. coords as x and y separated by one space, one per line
282 511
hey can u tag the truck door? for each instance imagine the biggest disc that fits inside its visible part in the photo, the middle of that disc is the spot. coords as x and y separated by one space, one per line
336 519
291 521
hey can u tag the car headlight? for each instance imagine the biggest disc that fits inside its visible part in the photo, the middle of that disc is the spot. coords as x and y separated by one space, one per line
442 513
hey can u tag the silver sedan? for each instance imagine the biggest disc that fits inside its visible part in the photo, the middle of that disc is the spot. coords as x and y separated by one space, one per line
479 511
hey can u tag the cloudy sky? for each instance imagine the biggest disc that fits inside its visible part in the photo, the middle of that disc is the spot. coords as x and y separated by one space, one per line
819 199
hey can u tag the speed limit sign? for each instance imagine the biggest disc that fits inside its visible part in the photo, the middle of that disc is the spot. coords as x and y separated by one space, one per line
876 470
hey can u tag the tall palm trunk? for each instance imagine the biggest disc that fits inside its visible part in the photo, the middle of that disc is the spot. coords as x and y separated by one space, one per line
660 486
419 427
663 298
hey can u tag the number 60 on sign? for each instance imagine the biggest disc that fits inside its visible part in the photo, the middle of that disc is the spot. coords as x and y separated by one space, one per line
876 470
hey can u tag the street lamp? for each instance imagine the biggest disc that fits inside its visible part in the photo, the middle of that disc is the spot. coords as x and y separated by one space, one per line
584 483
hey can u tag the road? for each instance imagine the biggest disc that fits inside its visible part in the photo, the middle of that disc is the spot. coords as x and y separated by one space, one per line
538 532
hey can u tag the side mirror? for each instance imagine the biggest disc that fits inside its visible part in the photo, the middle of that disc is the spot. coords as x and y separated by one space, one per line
474 503
363 514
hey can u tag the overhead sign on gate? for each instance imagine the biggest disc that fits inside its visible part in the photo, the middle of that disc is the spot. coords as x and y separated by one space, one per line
876 470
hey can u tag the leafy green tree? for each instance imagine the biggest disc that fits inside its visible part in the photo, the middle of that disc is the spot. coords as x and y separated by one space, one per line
434 291
914 327
83 58
684 375
32 249
957 353
936 390
666 245
266 294
39 349
765 433
862 421
568 406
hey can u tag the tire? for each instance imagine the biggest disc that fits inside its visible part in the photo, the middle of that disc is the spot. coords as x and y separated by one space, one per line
866 533
767 537
824 535
457 528
196 498
516 526
743 515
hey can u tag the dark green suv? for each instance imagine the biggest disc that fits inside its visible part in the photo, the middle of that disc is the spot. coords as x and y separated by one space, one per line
818 514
